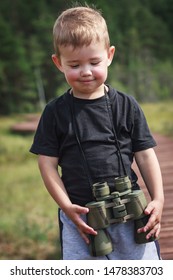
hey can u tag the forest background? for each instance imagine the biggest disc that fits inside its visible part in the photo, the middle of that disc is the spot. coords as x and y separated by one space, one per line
141 30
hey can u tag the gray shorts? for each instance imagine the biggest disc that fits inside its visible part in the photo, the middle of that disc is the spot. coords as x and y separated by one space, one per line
122 236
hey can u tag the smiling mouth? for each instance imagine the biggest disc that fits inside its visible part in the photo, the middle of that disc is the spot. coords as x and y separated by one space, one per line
86 81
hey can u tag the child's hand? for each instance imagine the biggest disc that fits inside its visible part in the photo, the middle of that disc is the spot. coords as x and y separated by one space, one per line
154 209
74 212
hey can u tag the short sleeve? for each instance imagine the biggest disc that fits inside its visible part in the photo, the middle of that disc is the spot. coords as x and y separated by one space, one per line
45 139
142 138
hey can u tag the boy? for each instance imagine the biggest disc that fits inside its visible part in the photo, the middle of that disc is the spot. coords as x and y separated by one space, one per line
91 142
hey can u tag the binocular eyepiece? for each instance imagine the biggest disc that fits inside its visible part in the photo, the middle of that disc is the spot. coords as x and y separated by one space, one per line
118 206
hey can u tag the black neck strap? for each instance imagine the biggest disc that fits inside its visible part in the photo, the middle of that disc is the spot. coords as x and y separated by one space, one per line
76 132
110 111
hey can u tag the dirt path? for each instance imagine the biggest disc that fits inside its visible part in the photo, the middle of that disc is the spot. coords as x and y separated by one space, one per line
164 152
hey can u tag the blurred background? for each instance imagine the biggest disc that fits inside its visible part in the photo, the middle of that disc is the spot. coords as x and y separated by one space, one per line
141 30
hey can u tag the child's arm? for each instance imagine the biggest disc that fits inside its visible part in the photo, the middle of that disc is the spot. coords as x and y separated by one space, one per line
150 170
49 171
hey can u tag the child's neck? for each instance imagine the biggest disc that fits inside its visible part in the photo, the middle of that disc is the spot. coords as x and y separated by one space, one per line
91 95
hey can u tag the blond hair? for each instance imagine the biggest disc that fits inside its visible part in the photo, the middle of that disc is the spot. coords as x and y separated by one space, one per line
79 26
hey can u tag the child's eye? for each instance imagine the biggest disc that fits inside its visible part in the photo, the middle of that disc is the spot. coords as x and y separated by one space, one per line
95 63
74 66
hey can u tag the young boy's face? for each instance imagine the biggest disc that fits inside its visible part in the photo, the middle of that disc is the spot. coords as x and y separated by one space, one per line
85 68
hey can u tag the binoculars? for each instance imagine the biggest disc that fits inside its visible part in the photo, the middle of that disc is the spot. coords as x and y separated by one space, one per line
118 206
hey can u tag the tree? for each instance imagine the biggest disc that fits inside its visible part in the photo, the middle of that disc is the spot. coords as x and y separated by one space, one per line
140 30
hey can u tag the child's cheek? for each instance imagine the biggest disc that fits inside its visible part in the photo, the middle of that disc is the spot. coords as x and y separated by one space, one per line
72 75
101 73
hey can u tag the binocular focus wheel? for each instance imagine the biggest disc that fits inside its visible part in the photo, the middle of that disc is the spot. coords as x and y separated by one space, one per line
119 211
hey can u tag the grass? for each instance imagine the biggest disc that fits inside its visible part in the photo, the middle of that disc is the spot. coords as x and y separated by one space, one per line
28 224
160 117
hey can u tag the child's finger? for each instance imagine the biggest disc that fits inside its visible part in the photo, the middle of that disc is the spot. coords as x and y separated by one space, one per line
151 223
154 232
148 210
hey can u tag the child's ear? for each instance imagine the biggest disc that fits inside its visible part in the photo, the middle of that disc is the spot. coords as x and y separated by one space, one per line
57 62
111 52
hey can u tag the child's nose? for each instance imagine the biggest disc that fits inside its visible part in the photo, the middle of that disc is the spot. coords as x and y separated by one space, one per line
86 71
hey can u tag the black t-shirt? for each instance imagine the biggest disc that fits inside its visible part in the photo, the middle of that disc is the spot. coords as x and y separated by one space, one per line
55 137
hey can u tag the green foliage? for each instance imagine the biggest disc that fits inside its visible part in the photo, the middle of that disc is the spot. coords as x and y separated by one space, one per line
160 117
145 78
140 30
28 224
